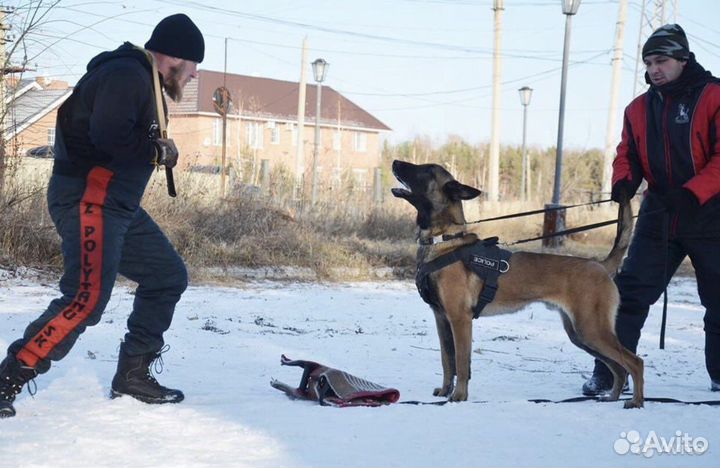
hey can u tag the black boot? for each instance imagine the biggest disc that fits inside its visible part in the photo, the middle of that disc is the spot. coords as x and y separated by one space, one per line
134 378
13 375
601 381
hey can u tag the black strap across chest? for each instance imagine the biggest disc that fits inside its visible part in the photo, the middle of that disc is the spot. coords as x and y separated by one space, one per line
484 258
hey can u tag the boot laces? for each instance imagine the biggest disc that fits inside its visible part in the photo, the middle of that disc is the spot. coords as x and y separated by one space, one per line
157 364
12 384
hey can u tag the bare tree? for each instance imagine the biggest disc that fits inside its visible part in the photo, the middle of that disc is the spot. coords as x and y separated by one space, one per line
18 25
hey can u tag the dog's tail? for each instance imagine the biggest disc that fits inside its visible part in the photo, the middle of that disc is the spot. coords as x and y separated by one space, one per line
622 239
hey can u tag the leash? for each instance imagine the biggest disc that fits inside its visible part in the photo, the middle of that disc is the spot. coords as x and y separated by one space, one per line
666 244
161 117
571 400
650 399
533 212
587 227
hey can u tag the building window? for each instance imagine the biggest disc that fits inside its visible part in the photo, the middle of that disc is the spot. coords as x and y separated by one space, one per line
51 136
293 132
254 134
337 140
360 142
274 133
217 132
360 180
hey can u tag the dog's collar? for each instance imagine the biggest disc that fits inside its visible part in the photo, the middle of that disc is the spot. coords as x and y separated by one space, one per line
440 239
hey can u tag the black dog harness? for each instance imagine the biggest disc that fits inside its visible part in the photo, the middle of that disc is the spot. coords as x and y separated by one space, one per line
484 258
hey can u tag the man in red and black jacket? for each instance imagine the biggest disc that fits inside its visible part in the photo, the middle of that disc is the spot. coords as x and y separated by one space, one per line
670 139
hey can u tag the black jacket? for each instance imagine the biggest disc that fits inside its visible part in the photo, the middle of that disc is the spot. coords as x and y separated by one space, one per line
110 119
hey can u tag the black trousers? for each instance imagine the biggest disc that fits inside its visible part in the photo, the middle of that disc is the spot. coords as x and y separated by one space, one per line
104 233
641 283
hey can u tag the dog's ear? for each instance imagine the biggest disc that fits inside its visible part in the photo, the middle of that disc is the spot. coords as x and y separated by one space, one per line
457 191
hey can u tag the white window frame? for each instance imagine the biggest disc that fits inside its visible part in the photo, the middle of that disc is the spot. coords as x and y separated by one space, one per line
51 136
274 134
360 179
360 142
293 129
255 134
216 138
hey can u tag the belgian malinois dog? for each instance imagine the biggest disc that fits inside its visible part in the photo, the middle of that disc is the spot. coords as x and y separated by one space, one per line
582 289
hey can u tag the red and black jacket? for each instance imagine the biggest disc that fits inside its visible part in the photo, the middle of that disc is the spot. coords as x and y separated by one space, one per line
670 139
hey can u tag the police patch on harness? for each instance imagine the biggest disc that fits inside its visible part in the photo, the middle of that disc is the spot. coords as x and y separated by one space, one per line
492 263
484 258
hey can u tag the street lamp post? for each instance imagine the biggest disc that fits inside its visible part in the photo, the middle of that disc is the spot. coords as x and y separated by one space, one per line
525 95
555 220
320 67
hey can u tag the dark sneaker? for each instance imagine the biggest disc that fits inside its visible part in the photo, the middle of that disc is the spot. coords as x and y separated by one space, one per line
715 385
13 376
134 378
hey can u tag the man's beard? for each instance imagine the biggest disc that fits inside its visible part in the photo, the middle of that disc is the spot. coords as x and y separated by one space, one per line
172 83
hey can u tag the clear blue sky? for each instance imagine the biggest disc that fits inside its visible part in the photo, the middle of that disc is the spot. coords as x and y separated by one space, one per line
421 66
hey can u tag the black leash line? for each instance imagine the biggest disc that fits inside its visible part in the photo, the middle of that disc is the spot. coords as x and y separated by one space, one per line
570 400
533 212
587 227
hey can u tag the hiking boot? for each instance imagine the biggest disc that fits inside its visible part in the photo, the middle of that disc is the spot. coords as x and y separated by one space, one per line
134 378
13 375
715 385
601 381
598 384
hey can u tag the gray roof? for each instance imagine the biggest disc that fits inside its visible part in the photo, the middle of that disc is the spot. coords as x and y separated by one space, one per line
32 104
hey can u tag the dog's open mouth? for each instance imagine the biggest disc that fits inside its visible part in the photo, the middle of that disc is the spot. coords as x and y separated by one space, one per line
402 191
399 192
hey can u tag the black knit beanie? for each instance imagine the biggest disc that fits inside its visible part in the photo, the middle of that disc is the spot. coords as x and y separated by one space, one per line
177 36
669 40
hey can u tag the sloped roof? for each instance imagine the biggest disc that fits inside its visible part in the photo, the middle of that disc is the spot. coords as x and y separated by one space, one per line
31 105
267 98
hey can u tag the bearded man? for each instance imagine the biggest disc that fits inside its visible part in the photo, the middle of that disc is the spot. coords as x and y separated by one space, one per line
107 146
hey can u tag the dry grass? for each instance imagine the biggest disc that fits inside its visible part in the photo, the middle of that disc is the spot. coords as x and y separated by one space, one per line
347 236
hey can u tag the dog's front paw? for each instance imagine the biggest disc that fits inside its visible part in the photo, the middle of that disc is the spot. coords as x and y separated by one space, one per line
633 404
458 395
443 391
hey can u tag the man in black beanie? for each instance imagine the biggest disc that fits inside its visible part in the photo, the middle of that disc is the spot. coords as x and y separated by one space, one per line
670 138
107 147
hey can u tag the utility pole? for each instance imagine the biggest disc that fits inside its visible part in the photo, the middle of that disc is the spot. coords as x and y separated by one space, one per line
610 137
300 135
224 130
649 22
493 187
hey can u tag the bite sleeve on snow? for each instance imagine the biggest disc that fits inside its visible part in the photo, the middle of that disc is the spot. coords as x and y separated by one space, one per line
333 387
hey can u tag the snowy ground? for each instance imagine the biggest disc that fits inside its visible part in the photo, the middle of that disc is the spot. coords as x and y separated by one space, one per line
226 346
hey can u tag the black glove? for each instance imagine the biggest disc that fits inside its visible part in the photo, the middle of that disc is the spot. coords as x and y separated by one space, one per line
681 200
166 152
621 191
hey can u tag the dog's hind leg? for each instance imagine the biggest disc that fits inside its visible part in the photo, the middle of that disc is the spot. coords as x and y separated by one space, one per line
607 344
447 352
619 373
